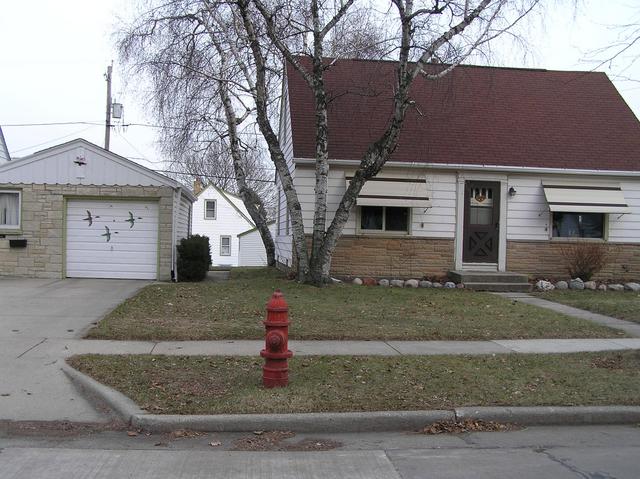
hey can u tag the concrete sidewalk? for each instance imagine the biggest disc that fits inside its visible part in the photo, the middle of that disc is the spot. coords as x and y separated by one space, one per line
70 347
629 327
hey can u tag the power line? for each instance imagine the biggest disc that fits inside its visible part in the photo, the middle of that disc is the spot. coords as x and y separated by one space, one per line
52 140
211 176
56 123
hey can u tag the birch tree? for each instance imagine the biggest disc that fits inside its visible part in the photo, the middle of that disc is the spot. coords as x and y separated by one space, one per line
183 47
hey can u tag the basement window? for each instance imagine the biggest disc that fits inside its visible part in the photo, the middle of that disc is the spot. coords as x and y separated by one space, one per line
384 218
9 210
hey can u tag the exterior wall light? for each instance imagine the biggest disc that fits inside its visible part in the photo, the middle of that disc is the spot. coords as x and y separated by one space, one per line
512 192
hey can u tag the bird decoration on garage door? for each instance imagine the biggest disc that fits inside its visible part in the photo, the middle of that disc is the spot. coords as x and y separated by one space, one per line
132 220
90 218
107 234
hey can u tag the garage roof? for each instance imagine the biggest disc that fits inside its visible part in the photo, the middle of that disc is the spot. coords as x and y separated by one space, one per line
80 162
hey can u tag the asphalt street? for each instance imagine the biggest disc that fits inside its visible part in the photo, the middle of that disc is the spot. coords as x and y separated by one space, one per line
587 452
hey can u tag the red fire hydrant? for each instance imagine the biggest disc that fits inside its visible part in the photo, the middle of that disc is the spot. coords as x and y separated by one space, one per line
275 372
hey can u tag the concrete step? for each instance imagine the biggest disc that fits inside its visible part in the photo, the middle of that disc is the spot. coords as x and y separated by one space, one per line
500 287
488 277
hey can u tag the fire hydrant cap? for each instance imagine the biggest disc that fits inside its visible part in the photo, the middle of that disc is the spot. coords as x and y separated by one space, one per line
277 302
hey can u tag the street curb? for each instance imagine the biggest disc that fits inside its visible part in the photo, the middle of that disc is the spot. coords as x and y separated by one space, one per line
378 421
118 402
300 422
552 415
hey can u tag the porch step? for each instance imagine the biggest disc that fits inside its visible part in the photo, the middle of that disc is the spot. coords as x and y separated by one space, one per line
499 287
487 277
492 280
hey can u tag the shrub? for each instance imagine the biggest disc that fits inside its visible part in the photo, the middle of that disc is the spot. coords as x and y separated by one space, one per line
585 259
194 258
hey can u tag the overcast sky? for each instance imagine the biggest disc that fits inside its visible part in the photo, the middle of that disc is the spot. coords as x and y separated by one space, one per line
54 55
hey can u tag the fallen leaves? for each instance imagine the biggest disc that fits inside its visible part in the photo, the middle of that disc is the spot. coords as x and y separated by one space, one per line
468 425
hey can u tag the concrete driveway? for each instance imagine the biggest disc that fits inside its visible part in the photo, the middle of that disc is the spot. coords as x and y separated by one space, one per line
36 318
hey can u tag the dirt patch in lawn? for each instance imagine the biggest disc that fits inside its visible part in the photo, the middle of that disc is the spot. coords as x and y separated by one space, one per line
235 310
161 384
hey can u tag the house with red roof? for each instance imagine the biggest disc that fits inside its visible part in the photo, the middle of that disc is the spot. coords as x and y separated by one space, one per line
496 170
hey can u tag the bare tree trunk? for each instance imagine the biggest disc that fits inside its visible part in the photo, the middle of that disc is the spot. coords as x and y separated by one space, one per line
322 154
250 198
275 150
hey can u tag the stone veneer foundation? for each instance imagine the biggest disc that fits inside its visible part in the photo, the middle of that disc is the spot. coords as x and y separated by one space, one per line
389 256
547 259
42 225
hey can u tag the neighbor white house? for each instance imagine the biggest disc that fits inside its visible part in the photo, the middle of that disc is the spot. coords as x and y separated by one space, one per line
497 169
222 217
251 248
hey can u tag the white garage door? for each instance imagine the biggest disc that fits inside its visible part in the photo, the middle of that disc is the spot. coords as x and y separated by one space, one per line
112 239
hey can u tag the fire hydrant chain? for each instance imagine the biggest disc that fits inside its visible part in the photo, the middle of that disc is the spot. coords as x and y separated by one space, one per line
275 372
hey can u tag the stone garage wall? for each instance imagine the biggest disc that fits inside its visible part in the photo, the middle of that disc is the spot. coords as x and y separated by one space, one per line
42 225
546 259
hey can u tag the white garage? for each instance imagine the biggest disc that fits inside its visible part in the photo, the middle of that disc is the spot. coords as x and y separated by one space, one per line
76 210
112 239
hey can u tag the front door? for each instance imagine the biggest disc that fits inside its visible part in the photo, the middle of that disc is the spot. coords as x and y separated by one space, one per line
481 222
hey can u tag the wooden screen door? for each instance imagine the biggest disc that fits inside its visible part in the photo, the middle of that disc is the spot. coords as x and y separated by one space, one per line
481 222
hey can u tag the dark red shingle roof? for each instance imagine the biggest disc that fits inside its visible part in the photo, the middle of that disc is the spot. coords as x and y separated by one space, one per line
475 116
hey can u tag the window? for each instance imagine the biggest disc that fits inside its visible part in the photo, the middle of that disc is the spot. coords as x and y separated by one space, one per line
225 245
209 209
578 225
384 218
9 209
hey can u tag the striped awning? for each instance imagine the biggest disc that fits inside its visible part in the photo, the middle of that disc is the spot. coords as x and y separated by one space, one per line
404 192
601 198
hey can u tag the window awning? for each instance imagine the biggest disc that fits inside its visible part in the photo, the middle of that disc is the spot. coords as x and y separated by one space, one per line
404 192
603 198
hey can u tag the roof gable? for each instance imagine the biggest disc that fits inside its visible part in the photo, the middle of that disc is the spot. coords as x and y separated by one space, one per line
4 151
229 198
81 162
474 116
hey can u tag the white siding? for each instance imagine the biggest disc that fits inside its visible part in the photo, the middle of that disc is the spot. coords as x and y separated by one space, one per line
251 248
183 218
283 238
435 222
228 222
528 216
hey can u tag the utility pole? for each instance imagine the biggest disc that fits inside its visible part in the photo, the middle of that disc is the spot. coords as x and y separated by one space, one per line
107 125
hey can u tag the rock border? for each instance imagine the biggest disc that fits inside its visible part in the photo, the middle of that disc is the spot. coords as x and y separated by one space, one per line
576 284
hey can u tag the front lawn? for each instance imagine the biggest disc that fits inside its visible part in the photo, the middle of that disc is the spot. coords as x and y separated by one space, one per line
219 385
235 309
619 304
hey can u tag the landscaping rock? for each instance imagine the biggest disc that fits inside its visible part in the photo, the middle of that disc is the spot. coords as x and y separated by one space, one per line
602 287
576 283
397 283
590 285
615 287
450 285
425 284
357 281
635 287
384 283
411 283
562 285
436 285
543 285
460 285
369 282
